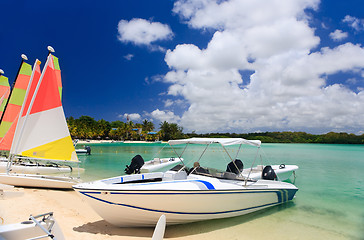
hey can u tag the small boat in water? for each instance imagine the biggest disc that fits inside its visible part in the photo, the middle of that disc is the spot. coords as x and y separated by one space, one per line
160 163
138 165
183 195
282 172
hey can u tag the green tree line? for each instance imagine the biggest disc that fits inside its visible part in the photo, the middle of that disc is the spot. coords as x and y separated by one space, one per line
86 127
292 137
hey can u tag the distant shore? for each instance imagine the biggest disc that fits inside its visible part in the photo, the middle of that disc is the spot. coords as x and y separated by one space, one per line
83 142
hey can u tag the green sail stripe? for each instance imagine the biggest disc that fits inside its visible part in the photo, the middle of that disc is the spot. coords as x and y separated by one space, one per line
26 69
4 127
60 92
56 63
4 81
17 96
2 105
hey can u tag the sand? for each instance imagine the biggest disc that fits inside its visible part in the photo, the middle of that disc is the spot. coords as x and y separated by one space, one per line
78 221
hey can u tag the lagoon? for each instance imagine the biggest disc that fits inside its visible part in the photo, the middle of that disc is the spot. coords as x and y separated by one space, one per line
329 203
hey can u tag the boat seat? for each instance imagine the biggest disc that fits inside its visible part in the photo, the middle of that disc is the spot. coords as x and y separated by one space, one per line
229 175
175 175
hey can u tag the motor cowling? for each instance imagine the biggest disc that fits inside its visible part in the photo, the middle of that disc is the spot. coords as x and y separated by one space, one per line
235 167
136 164
268 173
88 149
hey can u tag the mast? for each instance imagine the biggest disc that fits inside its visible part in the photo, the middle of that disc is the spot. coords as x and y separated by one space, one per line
23 58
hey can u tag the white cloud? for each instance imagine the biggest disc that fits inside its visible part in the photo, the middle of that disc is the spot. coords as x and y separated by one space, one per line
128 57
168 103
356 23
338 35
164 116
143 32
287 89
132 116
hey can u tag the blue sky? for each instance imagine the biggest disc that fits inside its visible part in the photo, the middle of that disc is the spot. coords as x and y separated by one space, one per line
210 66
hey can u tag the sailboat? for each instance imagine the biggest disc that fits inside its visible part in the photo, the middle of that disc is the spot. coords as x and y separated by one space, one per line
4 91
41 132
8 125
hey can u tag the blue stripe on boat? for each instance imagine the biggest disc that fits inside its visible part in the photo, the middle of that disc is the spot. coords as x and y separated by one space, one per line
279 193
207 184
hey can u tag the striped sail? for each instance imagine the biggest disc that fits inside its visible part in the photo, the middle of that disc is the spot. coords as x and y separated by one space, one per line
4 93
10 118
57 71
42 130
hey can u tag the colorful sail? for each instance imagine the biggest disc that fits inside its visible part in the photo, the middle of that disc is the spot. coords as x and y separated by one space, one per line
10 118
4 93
57 70
42 130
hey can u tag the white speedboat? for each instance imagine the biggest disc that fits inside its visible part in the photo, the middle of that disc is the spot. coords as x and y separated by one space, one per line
282 171
137 164
86 150
183 195
37 227
160 163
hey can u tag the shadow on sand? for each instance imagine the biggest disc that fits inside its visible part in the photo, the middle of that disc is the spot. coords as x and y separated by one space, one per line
181 230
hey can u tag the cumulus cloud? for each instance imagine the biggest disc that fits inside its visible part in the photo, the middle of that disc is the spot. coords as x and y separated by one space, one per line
287 89
165 116
132 116
143 32
356 23
338 35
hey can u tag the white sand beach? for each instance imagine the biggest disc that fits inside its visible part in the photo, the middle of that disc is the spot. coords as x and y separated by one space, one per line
78 221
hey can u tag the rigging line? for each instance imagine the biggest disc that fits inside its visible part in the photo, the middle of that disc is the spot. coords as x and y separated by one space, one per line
203 152
179 157
11 90
240 172
159 151
237 153
251 168
15 141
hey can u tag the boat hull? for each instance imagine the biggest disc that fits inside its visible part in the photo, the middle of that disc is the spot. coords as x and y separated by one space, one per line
34 169
160 163
37 181
201 200
283 173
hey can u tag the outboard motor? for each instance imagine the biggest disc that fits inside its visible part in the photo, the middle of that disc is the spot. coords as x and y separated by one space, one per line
88 149
231 167
136 164
268 173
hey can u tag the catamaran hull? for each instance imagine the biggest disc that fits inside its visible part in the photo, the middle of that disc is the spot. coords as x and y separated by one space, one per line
34 169
143 208
37 181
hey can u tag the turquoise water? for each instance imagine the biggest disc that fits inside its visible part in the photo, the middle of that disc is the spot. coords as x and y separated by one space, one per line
330 178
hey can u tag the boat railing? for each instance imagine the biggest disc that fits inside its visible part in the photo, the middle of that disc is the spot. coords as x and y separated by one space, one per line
46 218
